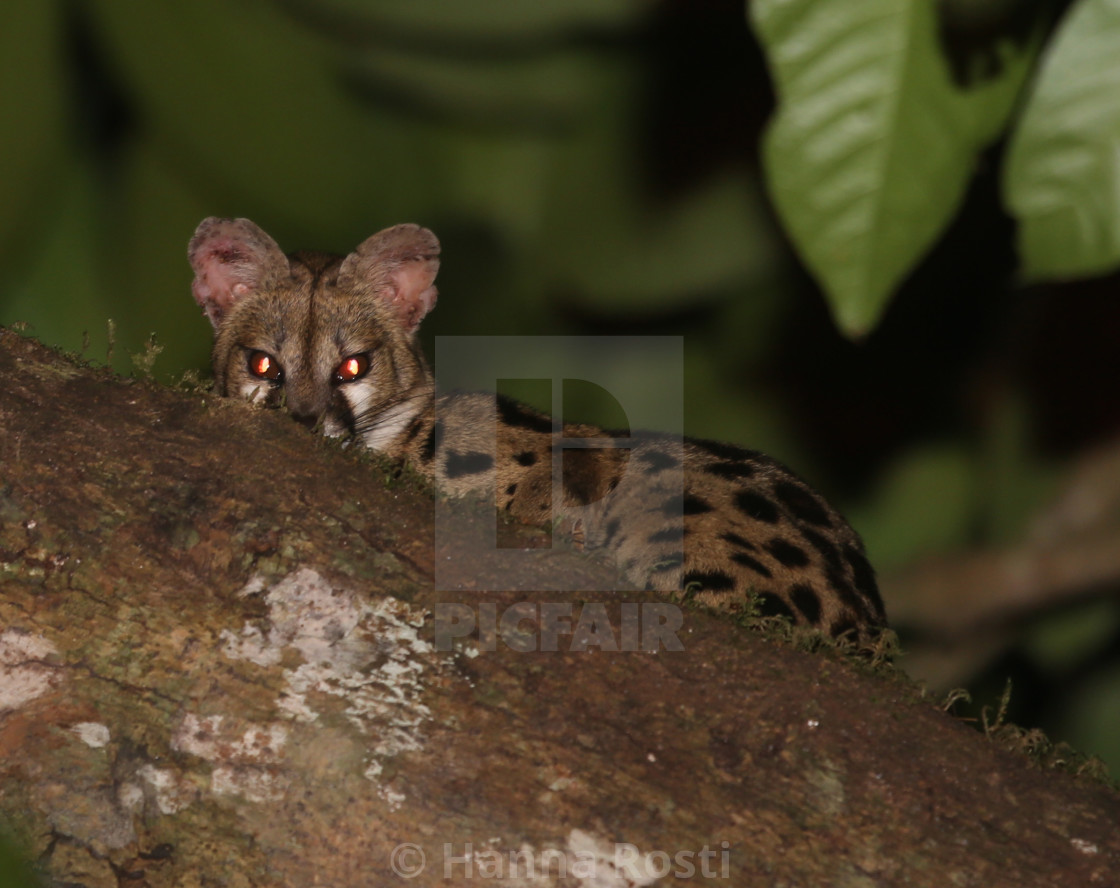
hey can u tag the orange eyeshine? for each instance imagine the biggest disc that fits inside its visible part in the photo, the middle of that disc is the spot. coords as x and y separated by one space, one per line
263 366
354 367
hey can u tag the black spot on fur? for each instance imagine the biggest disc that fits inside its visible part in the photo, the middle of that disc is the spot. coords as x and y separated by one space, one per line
471 463
845 591
736 540
823 545
802 503
526 458
806 600
520 416
511 490
694 505
715 580
656 460
611 529
747 561
756 506
787 553
578 491
428 451
584 478
864 577
685 505
668 535
732 470
770 605
414 429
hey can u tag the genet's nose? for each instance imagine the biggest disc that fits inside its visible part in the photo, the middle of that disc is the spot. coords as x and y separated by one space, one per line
305 404
307 419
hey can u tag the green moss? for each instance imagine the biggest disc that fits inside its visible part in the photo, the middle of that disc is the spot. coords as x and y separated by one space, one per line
145 361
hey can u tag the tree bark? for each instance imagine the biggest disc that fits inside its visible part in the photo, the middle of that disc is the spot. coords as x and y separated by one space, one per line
220 665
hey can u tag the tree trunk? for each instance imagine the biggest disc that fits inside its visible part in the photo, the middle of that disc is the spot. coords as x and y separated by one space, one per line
221 664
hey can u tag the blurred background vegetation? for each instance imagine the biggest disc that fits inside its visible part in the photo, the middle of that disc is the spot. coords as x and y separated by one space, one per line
887 230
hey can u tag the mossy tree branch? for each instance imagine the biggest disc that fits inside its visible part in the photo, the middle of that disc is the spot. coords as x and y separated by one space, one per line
218 666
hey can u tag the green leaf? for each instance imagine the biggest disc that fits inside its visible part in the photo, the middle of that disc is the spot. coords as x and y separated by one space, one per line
873 144
1065 639
1062 179
154 217
31 106
492 20
615 248
924 503
61 293
250 105
1092 720
544 91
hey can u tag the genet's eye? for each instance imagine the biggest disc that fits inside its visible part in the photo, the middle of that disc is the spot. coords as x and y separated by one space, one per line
263 366
354 367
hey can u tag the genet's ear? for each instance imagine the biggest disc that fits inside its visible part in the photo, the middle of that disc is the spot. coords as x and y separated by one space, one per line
231 258
399 265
